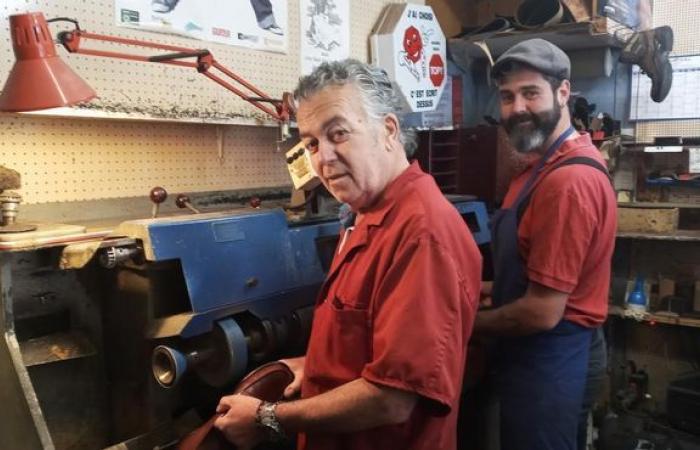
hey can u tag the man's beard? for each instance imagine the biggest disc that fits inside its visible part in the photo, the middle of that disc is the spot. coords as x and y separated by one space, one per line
528 137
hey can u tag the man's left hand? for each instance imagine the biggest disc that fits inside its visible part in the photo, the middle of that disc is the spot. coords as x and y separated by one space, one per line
237 421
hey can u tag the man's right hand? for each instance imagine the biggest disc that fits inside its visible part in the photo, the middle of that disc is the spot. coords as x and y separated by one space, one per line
485 300
296 365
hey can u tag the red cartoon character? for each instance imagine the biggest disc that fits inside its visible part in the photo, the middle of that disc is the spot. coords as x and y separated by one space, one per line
412 54
412 44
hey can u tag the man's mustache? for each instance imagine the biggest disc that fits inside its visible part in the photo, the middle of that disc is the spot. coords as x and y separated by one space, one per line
520 118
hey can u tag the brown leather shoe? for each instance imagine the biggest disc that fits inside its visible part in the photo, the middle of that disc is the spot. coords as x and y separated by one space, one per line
267 383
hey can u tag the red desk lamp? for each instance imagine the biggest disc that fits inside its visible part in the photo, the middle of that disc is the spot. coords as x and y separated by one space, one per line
40 79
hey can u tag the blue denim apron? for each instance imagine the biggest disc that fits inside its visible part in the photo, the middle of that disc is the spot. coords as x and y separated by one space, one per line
541 377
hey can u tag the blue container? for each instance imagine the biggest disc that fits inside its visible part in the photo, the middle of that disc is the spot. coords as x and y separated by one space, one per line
637 298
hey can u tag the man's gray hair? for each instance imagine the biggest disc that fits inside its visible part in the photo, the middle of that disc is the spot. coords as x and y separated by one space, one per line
376 91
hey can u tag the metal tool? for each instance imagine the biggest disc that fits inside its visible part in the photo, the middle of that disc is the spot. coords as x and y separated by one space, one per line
183 201
9 206
157 195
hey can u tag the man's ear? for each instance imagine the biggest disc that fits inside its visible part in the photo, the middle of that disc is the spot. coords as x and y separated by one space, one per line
392 128
563 93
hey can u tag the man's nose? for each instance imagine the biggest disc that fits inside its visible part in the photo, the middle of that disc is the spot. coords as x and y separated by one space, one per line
519 104
326 152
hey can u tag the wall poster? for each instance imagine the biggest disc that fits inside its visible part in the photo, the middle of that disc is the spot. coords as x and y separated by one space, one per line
325 32
258 24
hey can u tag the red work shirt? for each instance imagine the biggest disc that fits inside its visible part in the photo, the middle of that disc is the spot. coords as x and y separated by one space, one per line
397 309
567 233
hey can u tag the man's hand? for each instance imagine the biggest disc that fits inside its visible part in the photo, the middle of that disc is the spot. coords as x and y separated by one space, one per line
237 421
486 288
296 365
485 300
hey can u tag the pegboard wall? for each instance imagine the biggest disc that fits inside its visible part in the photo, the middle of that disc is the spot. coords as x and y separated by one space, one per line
93 159
88 159
682 17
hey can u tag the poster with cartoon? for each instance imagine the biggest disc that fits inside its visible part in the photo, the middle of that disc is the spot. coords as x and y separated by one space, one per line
325 32
410 45
258 24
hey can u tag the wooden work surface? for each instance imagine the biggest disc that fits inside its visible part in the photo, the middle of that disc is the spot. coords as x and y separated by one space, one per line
48 235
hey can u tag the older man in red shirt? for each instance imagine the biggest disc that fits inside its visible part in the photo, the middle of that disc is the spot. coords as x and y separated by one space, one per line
388 346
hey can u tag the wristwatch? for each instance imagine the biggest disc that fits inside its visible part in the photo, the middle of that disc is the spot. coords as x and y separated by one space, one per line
265 418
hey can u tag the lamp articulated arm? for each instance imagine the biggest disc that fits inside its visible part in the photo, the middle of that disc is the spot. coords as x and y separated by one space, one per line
204 62
32 39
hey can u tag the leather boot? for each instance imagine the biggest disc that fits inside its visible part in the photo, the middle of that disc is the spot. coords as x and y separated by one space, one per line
649 49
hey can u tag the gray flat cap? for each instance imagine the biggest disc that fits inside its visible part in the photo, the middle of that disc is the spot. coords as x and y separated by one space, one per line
539 54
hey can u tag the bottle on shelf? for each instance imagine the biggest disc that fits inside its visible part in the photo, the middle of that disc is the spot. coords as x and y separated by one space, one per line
637 299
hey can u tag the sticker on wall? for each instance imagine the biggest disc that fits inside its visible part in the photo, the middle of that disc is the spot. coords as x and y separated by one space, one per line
258 24
410 45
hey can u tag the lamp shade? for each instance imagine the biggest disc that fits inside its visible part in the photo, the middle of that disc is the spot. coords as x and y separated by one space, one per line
39 79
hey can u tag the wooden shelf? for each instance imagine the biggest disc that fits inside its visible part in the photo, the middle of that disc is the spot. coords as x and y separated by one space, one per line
668 319
678 235
658 205
56 347
598 33
639 147
88 113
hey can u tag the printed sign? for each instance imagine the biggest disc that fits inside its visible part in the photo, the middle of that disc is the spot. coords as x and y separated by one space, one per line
410 46
325 32
258 24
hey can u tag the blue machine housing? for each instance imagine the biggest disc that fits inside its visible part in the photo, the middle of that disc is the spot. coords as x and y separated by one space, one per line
254 260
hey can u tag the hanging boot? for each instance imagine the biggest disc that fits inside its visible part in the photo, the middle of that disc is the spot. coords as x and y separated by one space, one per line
649 49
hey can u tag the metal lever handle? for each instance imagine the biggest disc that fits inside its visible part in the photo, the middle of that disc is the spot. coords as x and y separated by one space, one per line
157 196
183 201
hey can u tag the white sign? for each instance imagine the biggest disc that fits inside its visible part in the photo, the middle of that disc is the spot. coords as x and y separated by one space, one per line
325 32
258 24
410 46
683 100
442 115
664 149
694 160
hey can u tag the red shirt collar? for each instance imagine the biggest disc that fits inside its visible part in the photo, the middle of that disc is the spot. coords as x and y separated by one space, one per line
374 215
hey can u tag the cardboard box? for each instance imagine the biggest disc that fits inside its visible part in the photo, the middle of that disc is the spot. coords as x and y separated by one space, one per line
667 287
580 10
452 15
647 220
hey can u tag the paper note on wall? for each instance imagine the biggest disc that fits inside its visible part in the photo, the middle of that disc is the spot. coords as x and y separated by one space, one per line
694 160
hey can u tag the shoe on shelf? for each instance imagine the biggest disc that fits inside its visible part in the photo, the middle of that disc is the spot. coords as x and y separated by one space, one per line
163 6
649 49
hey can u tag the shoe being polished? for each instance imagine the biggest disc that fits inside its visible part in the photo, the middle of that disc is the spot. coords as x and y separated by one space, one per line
649 49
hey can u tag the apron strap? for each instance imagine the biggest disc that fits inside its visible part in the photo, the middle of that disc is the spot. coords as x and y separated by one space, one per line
582 160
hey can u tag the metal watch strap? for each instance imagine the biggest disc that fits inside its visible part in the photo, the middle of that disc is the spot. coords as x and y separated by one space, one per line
266 418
